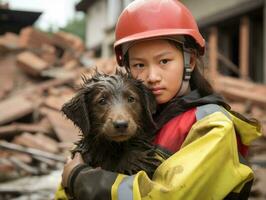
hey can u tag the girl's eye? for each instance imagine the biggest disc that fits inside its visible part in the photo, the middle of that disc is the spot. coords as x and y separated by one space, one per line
131 99
102 101
164 61
138 65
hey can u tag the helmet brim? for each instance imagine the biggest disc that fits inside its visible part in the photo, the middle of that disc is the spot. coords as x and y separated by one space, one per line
154 34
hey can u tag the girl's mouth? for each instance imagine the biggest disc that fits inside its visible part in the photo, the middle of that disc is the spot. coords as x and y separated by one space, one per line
157 90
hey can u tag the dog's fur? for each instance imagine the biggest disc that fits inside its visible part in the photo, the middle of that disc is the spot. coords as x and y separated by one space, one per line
114 113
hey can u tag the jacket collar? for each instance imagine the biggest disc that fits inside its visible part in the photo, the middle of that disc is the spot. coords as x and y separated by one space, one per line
178 105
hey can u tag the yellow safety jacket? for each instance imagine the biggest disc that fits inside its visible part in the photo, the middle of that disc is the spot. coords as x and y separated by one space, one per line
206 165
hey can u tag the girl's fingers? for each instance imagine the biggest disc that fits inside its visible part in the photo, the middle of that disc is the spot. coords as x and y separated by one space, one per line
68 159
69 166
78 158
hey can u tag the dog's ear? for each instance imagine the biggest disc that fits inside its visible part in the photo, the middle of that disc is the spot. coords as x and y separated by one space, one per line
150 105
150 101
76 110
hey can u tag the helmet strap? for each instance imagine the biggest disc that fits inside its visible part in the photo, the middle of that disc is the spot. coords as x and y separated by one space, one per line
186 74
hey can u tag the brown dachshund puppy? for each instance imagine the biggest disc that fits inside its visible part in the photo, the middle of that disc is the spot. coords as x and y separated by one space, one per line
114 114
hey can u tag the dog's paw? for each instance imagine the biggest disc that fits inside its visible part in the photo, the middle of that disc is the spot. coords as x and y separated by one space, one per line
148 159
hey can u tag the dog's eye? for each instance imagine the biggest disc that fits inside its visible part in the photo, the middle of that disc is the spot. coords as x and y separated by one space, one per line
131 99
102 101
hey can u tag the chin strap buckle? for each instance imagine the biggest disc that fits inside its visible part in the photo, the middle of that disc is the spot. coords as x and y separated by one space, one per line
187 69
186 74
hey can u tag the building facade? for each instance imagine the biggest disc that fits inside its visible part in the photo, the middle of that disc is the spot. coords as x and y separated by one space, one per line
101 20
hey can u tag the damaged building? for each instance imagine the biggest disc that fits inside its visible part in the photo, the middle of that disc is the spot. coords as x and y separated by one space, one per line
234 31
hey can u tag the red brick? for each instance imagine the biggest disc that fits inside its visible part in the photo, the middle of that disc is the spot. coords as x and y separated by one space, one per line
38 141
48 54
57 102
31 63
68 41
14 108
33 38
9 41
64 128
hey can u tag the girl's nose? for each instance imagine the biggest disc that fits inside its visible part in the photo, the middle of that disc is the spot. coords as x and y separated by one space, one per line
153 75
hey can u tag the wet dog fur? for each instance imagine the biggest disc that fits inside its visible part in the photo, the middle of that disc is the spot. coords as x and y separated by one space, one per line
114 114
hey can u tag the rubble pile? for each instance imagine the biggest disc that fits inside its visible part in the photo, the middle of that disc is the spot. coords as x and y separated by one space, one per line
39 72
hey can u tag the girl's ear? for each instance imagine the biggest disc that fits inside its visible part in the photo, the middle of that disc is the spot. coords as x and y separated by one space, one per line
193 60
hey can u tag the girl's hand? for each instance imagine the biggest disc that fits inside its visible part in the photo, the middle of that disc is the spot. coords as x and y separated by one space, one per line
69 166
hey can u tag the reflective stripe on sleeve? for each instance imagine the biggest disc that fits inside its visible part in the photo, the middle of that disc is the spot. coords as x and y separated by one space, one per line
115 186
125 188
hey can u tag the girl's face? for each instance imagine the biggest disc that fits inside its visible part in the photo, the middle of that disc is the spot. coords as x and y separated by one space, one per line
160 65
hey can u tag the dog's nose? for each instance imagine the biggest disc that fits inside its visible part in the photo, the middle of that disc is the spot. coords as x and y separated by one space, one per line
120 124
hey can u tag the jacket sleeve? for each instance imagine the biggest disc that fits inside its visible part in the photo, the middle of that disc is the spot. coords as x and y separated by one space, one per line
206 167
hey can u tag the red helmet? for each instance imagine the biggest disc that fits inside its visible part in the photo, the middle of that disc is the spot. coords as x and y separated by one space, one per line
144 19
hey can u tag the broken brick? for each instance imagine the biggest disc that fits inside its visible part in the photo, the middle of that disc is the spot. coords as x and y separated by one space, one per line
37 141
14 108
57 102
16 128
68 41
65 129
9 41
31 63
33 38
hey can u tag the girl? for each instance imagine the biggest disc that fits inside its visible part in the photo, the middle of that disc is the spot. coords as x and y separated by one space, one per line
202 141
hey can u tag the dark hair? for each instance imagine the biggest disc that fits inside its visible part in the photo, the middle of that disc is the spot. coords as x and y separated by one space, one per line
197 81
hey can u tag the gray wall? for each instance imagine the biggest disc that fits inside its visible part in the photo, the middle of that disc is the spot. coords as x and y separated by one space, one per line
204 8
96 24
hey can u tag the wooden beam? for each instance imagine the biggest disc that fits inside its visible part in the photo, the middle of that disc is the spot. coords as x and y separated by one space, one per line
241 90
228 63
244 33
16 129
23 166
213 54
30 151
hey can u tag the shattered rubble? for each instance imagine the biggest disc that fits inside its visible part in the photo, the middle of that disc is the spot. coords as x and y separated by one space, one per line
38 73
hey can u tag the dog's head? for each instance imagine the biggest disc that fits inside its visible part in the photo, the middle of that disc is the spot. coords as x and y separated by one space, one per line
112 106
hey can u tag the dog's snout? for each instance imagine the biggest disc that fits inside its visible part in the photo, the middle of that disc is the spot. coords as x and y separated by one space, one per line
120 124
